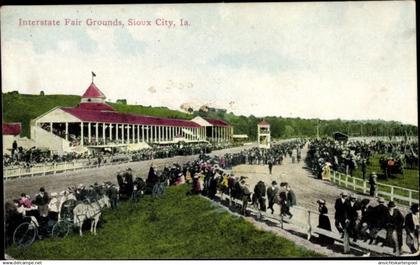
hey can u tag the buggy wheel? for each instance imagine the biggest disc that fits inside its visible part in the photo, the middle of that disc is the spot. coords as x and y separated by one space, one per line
24 234
61 229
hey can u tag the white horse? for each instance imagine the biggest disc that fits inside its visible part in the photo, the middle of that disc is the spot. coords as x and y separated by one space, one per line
91 211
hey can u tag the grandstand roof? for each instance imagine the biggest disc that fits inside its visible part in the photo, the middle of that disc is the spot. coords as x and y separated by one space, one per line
103 115
12 128
217 122
93 92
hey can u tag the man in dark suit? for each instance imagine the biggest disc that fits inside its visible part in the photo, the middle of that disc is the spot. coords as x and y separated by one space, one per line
272 193
412 228
340 213
379 223
394 227
353 219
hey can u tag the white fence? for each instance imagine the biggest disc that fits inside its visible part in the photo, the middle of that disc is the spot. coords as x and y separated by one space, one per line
389 192
51 168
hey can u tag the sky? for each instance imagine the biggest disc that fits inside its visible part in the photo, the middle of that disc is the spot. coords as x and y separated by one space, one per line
347 60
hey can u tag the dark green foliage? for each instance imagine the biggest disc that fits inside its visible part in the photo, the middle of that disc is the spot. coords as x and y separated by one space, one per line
182 227
23 108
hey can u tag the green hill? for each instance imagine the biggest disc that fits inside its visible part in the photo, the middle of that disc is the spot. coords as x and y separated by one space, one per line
22 108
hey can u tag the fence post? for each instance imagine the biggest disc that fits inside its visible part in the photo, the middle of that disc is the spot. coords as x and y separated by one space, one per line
392 193
347 179
281 221
346 241
410 196
354 184
364 187
309 226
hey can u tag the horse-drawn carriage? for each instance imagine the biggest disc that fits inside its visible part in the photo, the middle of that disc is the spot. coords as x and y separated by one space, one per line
34 227
391 166
72 214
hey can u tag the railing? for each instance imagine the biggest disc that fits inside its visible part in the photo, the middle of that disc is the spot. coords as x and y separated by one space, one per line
306 221
393 193
51 168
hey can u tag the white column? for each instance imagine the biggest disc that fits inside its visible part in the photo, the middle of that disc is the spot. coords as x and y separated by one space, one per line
81 134
142 133
134 133
159 133
122 133
103 132
167 133
138 133
96 133
116 131
51 127
89 133
67 131
110 131
128 133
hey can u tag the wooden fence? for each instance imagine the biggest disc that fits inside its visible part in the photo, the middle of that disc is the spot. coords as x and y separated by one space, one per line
400 195
306 221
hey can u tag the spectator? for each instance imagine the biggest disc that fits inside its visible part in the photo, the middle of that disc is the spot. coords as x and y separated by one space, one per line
53 207
395 227
272 195
412 228
25 201
341 213
373 184
42 200
324 223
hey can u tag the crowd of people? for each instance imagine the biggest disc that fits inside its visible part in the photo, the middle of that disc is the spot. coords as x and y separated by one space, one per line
346 157
35 156
208 176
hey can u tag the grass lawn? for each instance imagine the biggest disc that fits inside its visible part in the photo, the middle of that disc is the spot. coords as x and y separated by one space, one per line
175 226
409 180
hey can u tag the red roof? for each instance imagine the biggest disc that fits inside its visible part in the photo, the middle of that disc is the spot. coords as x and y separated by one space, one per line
95 106
12 128
263 122
93 92
89 115
216 122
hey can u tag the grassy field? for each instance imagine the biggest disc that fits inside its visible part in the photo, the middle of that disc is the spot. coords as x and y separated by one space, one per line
409 180
175 226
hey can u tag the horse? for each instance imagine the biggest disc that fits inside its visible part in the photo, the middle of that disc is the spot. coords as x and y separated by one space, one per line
91 211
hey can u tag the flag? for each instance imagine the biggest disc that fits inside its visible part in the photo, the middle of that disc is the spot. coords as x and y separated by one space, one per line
93 74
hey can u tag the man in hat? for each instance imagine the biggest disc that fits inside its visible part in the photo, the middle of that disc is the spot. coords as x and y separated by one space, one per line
259 195
394 227
42 200
366 219
246 193
412 228
272 194
378 223
340 212
352 208
373 183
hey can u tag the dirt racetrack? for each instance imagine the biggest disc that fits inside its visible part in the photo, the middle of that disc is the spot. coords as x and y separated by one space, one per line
58 182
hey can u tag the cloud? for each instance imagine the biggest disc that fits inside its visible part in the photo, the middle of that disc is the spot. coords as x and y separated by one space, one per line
326 60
